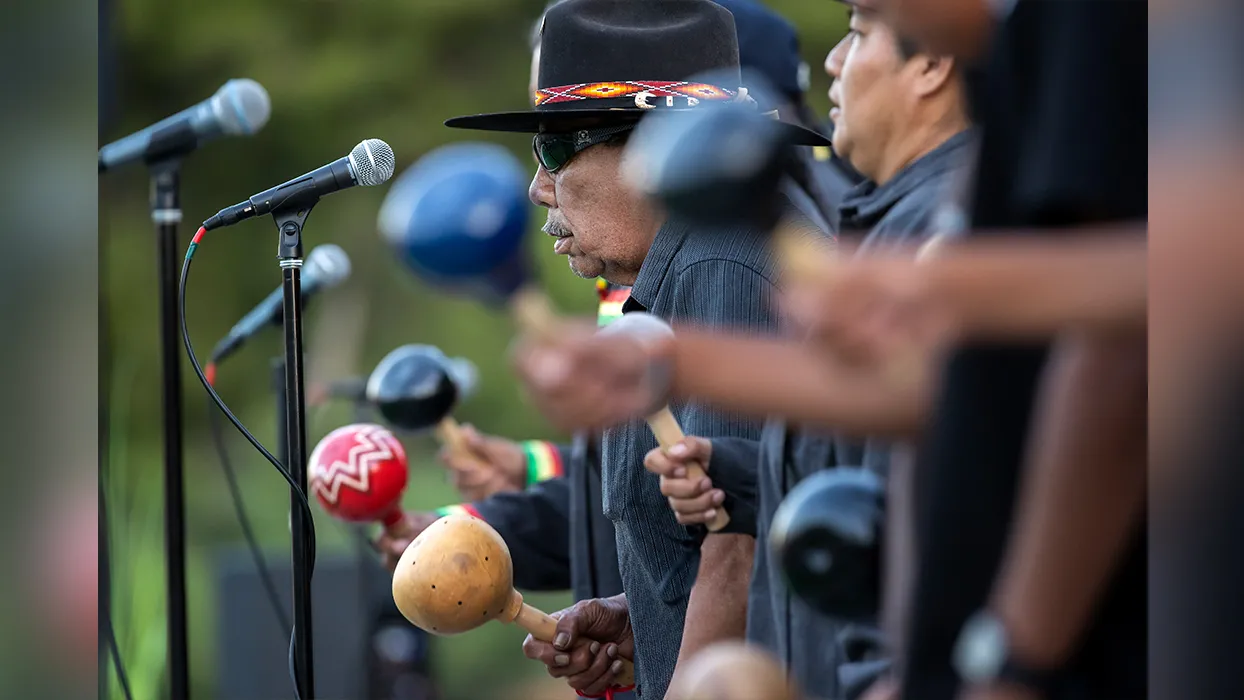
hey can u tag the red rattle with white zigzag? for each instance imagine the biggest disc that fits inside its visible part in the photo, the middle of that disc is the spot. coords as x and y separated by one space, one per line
358 473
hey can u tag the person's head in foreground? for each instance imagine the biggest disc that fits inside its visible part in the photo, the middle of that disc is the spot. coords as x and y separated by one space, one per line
894 102
602 65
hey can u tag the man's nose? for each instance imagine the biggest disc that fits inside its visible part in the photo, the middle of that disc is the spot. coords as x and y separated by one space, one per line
541 191
835 57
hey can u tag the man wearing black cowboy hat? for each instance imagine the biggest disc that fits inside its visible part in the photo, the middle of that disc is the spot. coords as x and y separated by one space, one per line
604 65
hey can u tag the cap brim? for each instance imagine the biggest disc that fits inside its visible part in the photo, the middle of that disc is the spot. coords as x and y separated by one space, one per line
532 122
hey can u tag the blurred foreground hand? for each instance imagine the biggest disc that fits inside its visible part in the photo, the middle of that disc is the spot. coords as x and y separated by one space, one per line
580 380
483 465
870 310
392 544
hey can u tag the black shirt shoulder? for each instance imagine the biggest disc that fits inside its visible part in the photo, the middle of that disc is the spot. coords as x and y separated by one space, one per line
1062 105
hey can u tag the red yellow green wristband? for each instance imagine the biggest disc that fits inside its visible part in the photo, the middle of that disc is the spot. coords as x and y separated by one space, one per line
544 462
611 301
460 509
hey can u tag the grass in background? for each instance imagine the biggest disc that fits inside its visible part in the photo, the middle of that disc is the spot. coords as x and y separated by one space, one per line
136 535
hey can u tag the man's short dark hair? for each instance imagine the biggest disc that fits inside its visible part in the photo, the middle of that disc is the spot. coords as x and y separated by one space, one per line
907 47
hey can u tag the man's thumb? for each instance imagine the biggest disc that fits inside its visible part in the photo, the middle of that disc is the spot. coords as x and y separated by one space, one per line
579 622
471 439
689 449
565 633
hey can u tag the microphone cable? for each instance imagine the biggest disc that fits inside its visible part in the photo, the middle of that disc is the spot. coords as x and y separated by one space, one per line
198 370
109 642
244 522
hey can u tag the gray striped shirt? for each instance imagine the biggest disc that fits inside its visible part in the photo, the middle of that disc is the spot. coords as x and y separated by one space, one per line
692 276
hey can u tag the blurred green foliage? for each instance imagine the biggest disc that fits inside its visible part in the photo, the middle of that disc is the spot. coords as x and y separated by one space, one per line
337 72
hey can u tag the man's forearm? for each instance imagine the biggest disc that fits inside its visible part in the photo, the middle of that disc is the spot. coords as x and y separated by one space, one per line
1083 494
766 376
717 609
1035 289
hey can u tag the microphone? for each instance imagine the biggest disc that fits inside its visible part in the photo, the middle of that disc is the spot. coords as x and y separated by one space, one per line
326 266
370 163
239 107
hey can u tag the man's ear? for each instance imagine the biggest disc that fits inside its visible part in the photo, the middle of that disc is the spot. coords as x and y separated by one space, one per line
935 73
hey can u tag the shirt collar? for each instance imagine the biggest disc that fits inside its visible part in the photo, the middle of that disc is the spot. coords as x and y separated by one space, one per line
868 201
665 245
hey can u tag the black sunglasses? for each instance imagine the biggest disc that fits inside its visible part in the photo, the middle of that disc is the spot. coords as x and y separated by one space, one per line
555 150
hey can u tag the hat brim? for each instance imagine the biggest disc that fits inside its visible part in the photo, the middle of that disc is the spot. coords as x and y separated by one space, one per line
534 122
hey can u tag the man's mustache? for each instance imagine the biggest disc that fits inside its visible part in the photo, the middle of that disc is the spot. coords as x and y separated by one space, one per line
554 228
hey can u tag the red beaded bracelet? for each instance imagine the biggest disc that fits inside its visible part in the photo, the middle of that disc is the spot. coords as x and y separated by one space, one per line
608 692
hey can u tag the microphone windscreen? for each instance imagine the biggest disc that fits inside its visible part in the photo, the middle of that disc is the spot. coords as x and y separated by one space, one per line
241 106
329 264
373 162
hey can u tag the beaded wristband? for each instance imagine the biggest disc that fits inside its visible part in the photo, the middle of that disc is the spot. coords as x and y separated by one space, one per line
460 509
544 462
609 692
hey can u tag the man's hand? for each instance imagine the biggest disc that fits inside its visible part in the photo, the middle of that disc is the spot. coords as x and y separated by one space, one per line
392 542
694 501
580 380
593 636
484 465
881 308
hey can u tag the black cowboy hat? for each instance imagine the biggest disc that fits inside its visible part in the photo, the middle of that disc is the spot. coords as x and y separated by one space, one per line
606 62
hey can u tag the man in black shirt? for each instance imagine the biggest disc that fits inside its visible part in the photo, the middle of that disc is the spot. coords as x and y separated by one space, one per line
1030 513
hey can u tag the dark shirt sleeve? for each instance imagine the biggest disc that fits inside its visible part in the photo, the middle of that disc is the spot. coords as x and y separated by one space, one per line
535 525
733 470
563 454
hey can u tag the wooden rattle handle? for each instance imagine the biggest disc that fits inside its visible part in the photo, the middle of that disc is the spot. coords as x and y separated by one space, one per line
543 627
668 433
540 625
533 313
803 255
450 433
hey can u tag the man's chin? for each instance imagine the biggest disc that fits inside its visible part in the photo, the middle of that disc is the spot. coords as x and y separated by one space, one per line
583 268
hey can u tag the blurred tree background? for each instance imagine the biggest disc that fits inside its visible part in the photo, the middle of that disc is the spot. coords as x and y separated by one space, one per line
337 72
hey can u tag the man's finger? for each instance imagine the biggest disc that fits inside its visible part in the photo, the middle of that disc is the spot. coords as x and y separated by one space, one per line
657 463
700 518
695 506
689 449
685 488
539 651
546 369
471 477
470 436
572 663
596 678
575 622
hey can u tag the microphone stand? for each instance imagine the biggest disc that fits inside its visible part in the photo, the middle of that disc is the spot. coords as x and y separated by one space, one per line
291 415
166 214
